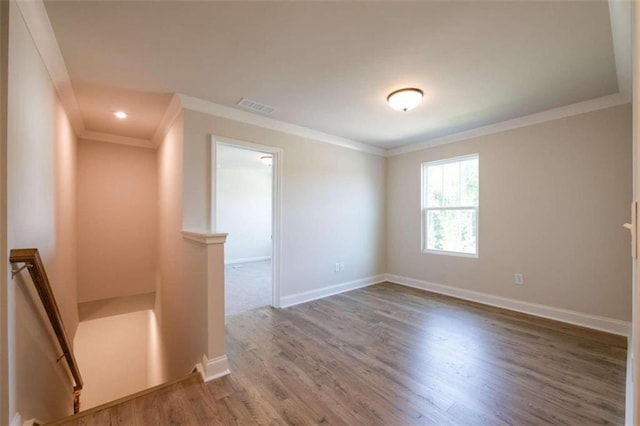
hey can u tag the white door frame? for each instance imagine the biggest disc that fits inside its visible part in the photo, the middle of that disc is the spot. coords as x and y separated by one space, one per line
276 202
633 347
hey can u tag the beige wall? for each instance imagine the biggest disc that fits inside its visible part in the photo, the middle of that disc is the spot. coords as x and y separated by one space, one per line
181 302
117 202
332 202
553 197
41 213
113 355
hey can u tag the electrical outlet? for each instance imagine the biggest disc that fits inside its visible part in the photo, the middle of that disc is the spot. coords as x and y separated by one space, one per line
341 266
518 279
337 269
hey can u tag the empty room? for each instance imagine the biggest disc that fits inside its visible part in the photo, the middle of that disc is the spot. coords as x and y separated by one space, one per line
305 212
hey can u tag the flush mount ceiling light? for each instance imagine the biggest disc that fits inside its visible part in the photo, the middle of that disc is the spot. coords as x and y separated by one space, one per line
120 114
405 99
267 159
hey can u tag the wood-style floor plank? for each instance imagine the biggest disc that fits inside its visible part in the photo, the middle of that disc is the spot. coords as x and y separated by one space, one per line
391 355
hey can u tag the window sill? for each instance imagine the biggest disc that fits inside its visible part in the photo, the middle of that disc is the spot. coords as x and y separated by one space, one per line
451 253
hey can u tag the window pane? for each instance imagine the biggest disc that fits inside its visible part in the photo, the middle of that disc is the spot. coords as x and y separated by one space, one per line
452 230
469 176
434 185
451 184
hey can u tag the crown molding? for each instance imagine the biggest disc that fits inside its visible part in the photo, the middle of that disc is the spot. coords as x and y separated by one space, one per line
527 120
118 139
37 21
39 26
170 115
211 108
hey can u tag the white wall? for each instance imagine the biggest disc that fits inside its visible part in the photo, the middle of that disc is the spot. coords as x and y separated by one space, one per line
553 197
243 203
41 149
181 280
333 202
113 356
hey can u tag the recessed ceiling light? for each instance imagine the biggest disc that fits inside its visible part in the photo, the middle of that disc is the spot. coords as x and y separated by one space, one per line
405 99
120 114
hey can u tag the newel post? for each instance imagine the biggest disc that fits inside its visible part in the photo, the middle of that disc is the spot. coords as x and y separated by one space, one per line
214 362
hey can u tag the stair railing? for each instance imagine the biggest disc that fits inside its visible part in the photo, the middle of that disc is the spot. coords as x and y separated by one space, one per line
30 258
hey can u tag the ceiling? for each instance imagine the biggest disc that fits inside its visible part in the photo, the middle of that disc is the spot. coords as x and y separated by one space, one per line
329 66
98 103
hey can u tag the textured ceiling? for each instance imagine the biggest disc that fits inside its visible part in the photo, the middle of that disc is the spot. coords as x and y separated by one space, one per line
330 65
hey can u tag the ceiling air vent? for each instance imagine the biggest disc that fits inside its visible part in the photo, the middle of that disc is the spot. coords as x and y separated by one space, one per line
256 106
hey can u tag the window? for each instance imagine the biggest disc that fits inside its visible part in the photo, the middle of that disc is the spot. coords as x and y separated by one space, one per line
450 206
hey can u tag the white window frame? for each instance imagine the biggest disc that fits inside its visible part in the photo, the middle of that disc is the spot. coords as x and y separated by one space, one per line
424 209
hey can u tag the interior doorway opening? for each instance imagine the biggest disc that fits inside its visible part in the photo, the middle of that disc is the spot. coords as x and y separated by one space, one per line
244 209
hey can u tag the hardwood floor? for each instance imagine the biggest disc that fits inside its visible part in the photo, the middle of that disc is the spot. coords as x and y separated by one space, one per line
392 355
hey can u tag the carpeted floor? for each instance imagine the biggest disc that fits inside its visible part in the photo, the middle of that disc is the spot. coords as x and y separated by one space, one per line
247 286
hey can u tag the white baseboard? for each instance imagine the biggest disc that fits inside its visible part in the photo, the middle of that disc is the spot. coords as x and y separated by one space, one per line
246 260
609 325
212 369
629 414
307 296
17 420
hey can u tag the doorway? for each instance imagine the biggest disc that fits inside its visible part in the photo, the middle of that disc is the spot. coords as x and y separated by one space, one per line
245 208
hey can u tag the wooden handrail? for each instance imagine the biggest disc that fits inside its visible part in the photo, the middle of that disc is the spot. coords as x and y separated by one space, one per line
31 258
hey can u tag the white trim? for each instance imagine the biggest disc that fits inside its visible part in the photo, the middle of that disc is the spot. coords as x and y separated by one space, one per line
211 369
212 168
629 401
246 260
609 325
276 226
424 208
527 120
37 21
17 420
308 296
205 237
170 115
112 138
236 143
452 253
276 214
207 107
